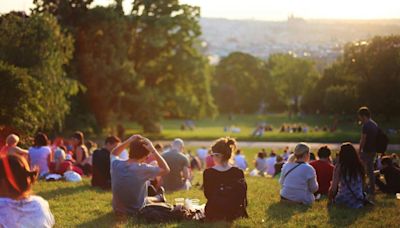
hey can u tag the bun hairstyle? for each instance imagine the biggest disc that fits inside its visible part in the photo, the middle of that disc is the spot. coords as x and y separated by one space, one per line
300 150
224 146
17 176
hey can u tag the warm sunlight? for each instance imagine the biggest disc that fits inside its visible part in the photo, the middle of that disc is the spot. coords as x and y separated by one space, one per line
269 9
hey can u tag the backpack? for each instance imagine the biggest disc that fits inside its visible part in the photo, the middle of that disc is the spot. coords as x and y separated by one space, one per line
164 213
382 141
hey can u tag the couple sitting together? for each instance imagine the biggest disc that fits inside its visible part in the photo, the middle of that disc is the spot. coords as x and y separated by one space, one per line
224 186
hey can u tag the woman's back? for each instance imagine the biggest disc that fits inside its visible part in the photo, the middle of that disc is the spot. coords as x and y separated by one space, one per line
261 164
39 157
298 182
350 192
33 211
226 193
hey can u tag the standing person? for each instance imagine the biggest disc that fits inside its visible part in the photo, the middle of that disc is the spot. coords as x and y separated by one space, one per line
298 178
80 151
368 145
271 160
324 169
18 207
40 154
101 176
224 185
179 164
240 160
129 179
348 178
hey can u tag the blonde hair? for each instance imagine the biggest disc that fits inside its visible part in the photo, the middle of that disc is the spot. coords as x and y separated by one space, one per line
300 150
12 139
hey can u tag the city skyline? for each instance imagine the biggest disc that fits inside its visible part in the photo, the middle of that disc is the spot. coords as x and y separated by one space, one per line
267 9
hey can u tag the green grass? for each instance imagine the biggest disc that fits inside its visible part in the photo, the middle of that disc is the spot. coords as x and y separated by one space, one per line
210 129
79 205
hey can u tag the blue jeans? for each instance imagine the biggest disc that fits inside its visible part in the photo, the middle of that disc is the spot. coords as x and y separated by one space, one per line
369 161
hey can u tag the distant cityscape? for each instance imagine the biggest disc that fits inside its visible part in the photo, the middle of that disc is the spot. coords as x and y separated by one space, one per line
317 39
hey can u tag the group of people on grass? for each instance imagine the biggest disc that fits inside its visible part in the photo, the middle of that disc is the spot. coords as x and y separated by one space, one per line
138 174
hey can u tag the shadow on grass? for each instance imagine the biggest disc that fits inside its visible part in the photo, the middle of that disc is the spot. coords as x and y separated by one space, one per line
341 216
106 220
65 191
282 211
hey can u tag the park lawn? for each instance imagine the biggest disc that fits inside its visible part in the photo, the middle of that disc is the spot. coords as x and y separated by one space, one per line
210 129
79 205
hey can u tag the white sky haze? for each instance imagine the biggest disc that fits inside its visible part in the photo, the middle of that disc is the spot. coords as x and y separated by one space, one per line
269 9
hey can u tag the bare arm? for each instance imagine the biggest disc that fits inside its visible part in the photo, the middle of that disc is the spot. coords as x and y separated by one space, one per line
122 146
186 173
335 183
164 168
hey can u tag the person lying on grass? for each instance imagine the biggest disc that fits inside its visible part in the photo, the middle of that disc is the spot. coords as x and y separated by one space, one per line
224 186
129 179
298 178
18 207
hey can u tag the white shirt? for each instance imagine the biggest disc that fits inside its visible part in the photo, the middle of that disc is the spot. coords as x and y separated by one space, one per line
31 212
240 162
271 165
39 156
124 155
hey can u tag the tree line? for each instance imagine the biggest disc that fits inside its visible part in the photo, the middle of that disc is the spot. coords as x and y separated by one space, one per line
69 65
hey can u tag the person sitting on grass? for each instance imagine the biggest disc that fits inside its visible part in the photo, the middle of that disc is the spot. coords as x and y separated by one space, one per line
324 169
348 178
129 179
12 146
40 154
261 164
101 176
298 178
179 164
18 207
392 176
240 160
224 185
278 166
81 152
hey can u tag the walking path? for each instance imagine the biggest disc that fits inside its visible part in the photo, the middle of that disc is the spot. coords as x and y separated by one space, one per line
278 145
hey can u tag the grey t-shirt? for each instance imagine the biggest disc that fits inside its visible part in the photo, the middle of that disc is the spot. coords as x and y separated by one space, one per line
129 185
300 184
370 129
176 162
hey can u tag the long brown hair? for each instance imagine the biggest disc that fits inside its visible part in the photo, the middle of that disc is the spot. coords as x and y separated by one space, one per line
17 176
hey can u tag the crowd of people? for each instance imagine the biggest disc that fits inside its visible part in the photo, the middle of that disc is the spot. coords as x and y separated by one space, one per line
139 173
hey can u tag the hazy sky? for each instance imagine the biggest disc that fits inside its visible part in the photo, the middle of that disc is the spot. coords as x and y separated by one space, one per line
269 9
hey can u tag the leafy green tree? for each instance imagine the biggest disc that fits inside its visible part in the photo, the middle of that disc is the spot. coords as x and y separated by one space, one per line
240 83
374 66
102 64
34 52
292 77
174 74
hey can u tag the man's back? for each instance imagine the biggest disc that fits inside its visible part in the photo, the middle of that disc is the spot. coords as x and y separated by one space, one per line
176 162
324 172
101 169
370 129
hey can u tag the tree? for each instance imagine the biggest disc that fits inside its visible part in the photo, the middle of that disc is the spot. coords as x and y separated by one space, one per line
292 77
174 74
34 51
240 83
102 65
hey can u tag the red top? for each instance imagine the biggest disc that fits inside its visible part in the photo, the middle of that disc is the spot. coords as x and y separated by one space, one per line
324 170
209 161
